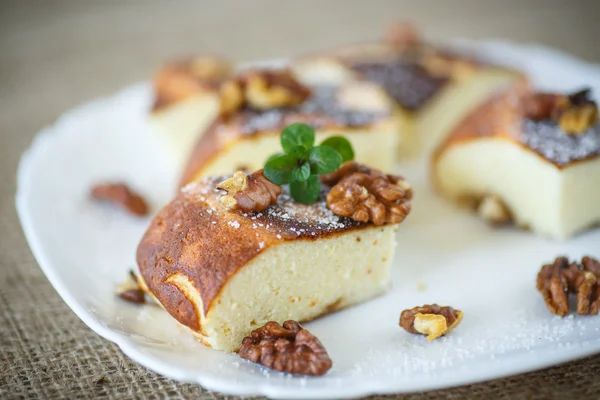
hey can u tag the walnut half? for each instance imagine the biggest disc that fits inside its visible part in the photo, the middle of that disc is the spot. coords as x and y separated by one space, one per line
366 194
288 348
122 195
262 89
555 281
247 193
431 320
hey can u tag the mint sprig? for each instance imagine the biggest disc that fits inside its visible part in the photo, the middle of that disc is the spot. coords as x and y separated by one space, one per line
301 161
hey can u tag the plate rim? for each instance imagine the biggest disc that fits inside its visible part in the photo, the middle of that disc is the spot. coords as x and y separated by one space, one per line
130 348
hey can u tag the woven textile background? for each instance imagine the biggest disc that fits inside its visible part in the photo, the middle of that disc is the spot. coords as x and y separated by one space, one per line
56 54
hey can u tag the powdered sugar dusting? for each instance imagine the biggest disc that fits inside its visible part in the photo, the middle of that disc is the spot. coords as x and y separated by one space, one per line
291 219
549 140
321 108
407 82
286 219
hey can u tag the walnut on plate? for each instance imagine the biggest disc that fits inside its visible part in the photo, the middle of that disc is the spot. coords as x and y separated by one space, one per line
366 194
122 195
247 193
493 210
431 320
555 281
262 89
131 290
288 348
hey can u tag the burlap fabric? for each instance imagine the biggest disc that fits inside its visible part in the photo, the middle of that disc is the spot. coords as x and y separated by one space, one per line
56 54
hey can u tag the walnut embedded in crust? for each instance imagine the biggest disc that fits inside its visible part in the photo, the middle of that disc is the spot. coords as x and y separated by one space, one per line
555 281
288 348
262 90
366 194
431 320
575 113
120 194
247 193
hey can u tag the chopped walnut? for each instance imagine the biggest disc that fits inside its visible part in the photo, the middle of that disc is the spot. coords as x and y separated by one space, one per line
402 35
575 113
288 348
119 193
262 90
555 281
541 106
247 193
431 320
492 209
131 290
231 96
365 194
577 119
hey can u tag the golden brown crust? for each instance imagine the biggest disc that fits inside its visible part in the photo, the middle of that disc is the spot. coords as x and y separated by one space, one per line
241 126
192 236
502 116
182 79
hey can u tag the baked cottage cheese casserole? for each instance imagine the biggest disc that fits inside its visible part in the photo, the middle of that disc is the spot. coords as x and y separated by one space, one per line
257 104
186 101
433 87
527 157
230 254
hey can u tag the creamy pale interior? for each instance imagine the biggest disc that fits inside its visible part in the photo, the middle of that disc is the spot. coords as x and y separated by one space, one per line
421 131
372 145
424 130
564 202
179 125
298 280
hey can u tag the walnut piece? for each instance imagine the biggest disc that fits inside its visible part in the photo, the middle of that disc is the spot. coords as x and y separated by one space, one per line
577 119
492 209
247 193
555 281
366 194
131 290
262 89
542 106
431 320
575 113
120 194
288 348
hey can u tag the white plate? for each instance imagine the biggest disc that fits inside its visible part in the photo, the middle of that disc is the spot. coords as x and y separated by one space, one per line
86 249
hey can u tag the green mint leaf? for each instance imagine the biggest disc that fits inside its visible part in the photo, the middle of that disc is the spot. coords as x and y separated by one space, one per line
297 135
301 173
298 153
323 160
306 192
272 156
279 169
341 145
